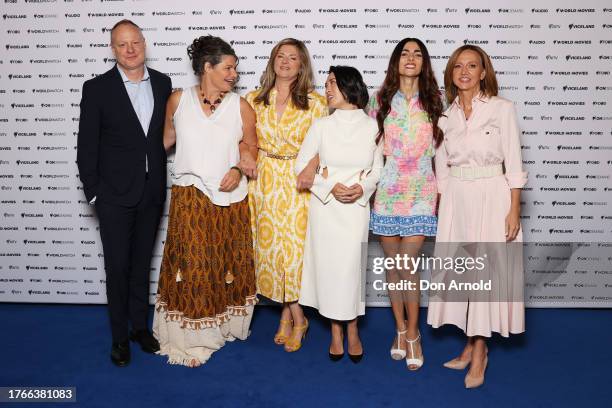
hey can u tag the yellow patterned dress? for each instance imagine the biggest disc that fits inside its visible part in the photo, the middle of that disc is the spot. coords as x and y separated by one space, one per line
278 211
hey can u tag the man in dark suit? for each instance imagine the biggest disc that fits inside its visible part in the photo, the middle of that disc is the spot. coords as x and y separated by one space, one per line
122 165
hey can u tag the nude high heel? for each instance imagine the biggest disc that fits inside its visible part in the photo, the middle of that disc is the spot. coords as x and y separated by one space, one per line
475 382
457 364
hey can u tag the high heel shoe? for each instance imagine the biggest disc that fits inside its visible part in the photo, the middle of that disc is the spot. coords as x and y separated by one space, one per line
333 356
413 360
474 382
356 358
336 357
398 353
292 344
457 364
280 337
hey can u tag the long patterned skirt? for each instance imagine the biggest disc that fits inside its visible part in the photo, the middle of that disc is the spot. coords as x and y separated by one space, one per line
206 291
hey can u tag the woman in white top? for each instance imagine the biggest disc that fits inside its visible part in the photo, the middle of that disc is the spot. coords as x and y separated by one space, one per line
206 287
339 209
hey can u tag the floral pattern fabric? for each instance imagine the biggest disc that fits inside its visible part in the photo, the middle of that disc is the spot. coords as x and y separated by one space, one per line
405 201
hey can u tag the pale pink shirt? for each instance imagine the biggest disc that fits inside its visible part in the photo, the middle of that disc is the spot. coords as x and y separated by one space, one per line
489 137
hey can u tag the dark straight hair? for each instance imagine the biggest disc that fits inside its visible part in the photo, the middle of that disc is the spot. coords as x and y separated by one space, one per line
351 85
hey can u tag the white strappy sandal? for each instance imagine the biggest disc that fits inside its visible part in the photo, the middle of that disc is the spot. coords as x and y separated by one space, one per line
413 361
398 353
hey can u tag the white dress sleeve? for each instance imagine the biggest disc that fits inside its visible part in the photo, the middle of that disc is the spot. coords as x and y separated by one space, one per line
369 182
311 145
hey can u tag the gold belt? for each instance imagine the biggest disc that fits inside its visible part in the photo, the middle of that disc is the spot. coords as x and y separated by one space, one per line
278 156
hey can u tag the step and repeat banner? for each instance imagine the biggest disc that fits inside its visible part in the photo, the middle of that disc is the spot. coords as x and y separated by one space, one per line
553 59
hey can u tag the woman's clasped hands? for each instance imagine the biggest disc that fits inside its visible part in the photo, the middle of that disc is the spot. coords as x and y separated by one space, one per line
347 195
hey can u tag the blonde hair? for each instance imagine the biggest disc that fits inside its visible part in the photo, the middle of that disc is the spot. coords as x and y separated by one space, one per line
488 85
301 87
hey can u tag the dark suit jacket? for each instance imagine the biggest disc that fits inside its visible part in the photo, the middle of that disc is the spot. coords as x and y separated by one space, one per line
111 145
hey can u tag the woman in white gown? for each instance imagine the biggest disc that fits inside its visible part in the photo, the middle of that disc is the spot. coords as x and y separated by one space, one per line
339 211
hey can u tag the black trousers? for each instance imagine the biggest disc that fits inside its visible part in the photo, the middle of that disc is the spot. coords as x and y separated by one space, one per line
128 235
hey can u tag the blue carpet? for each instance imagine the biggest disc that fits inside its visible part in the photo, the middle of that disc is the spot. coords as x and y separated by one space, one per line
564 360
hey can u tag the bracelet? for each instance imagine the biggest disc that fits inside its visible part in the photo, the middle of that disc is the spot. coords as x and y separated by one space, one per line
237 168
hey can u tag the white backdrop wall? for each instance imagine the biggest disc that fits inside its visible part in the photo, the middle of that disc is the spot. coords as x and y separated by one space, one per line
552 58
